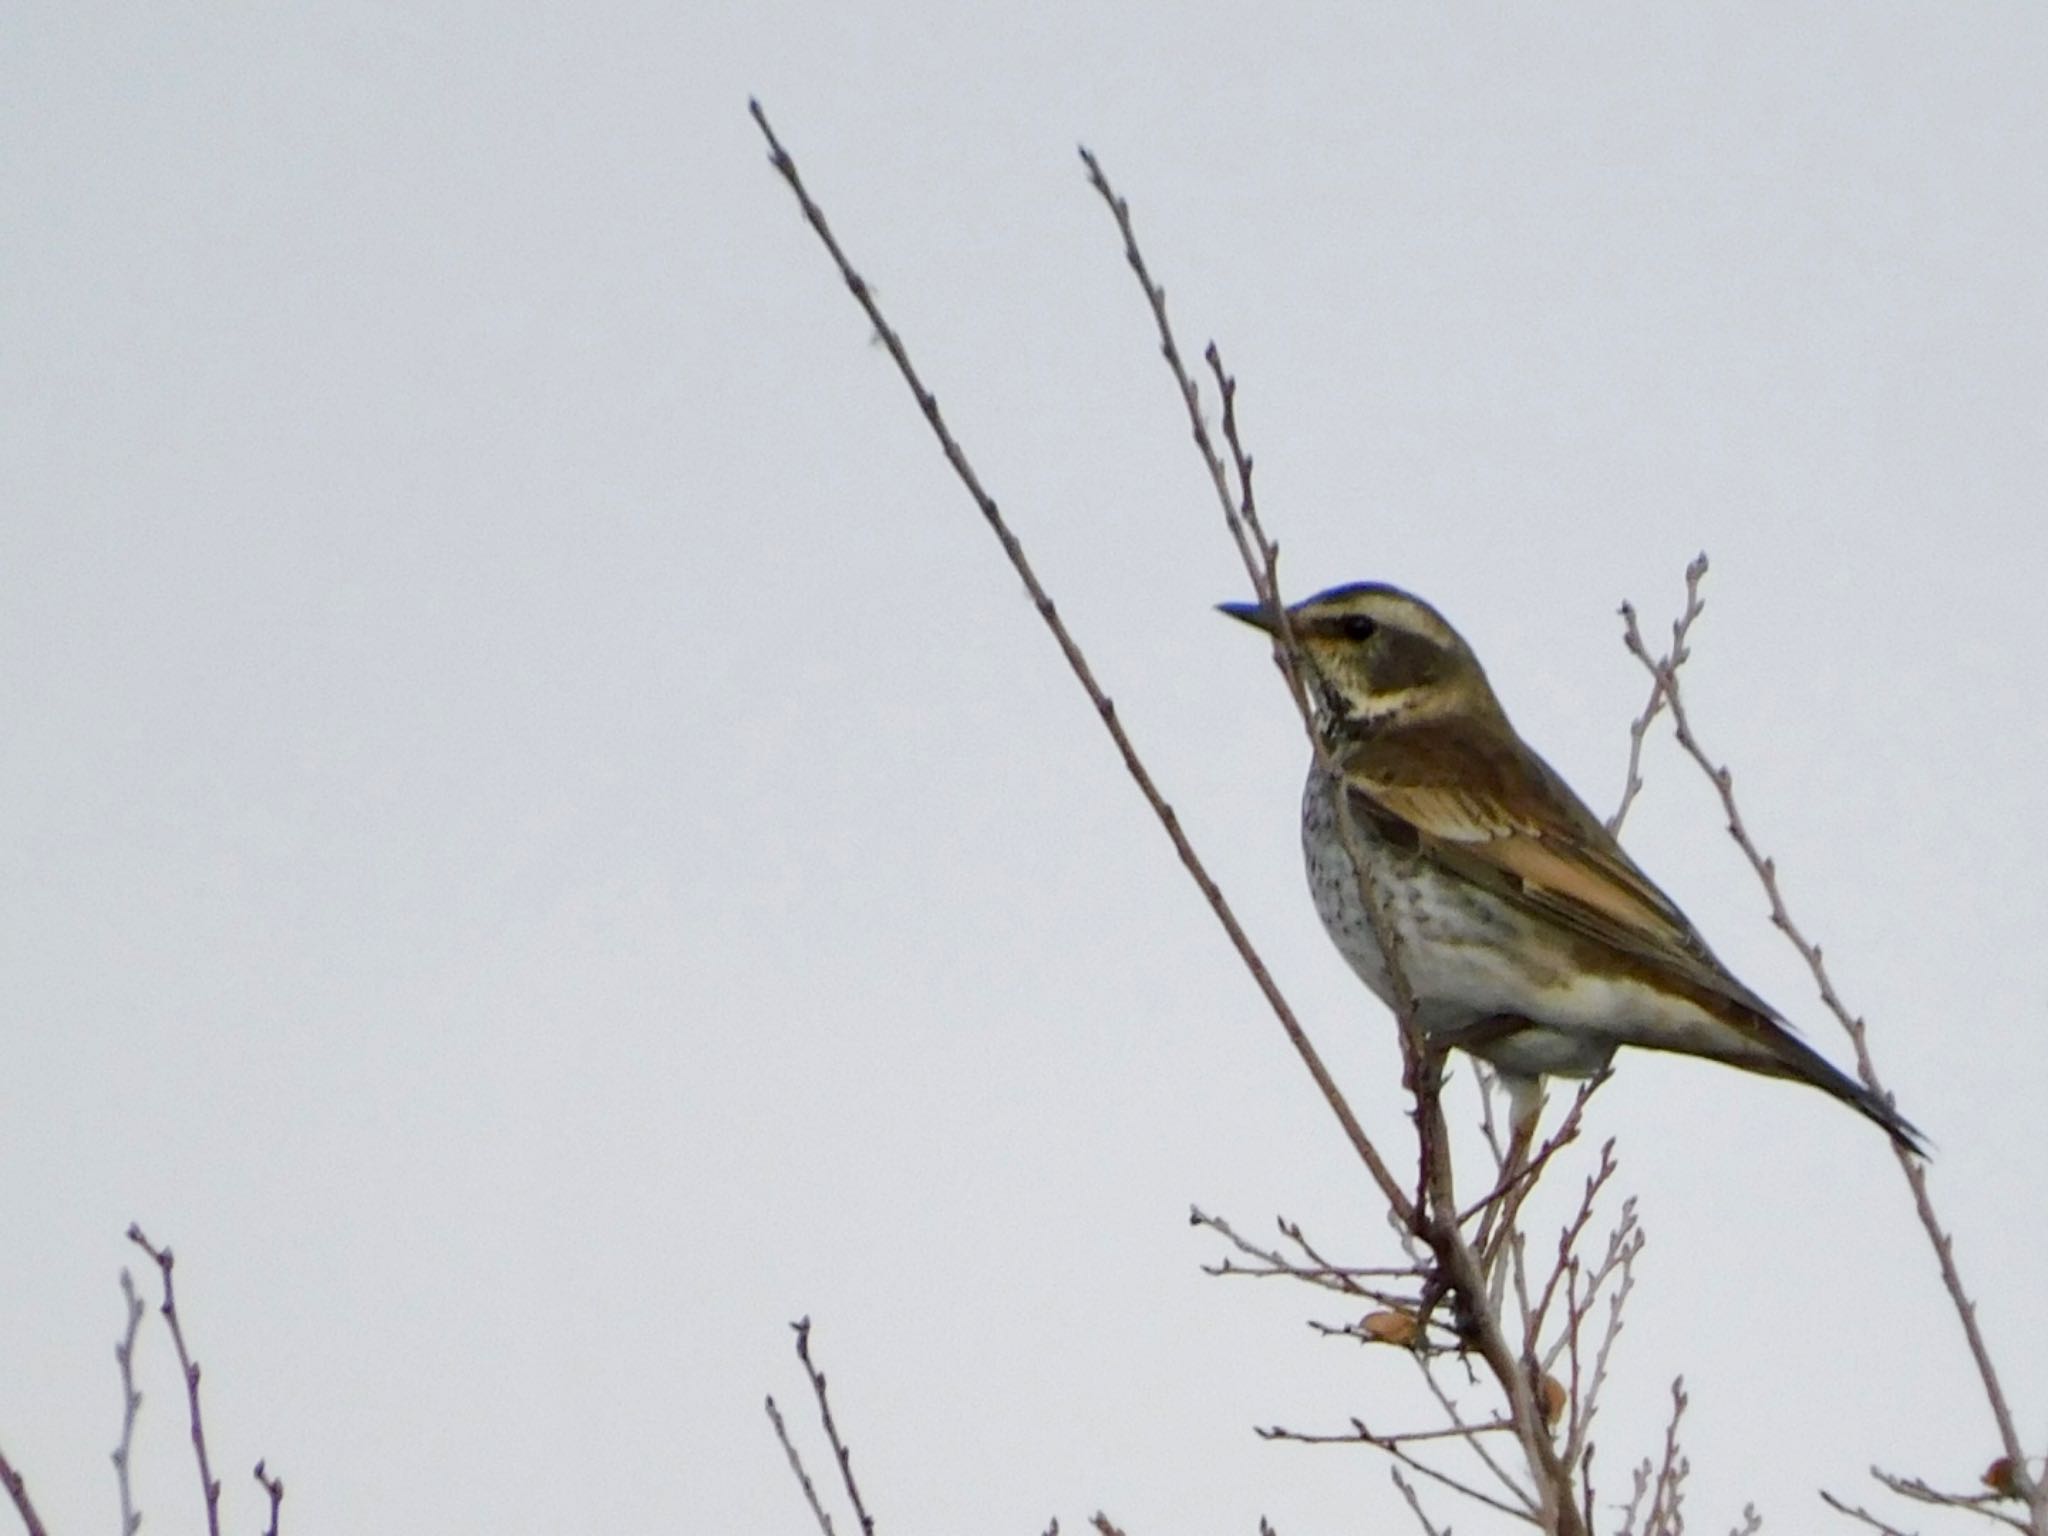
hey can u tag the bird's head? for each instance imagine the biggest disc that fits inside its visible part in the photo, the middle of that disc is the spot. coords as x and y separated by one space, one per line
1376 655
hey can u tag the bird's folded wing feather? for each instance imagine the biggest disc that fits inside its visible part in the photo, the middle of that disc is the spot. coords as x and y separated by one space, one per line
1494 813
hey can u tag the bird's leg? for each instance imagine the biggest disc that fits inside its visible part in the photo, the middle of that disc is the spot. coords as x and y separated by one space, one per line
1499 1209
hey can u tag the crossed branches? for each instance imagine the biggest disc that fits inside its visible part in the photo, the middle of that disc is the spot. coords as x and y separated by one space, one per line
1448 1270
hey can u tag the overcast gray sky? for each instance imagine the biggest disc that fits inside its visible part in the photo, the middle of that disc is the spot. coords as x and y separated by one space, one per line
539 840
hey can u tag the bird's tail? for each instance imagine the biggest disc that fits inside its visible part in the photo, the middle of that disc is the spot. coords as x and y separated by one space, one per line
1794 1058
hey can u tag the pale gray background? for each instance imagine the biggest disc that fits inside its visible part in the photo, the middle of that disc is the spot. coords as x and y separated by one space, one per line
541 841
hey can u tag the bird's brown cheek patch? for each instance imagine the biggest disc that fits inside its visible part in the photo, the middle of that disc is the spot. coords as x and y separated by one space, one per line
1402 661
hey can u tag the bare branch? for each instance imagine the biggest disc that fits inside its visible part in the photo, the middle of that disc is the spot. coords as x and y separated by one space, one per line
1397 1448
1293 1233
131 1405
1859 1513
1429 1526
796 1465
1670 662
1665 1490
2034 1491
1240 512
17 1490
1431 1214
189 1367
1078 664
273 1488
1358 1434
1639 1489
1503 1207
1340 1278
1624 1244
1567 1132
1479 1448
845 1457
1921 1492
1567 1240
1667 1494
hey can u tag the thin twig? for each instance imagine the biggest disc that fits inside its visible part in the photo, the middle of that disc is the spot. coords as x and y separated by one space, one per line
1568 1239
1640 1485
2033 1490
1632 783
1579 1405
1667 1495
131 1405
1437 1226
1333 1277
189 1368
1429 1526
796 1465
845 1457
1567 1132
1078 664
1480 1449
1458 1485
1260 557
1921 1492
1358 1434
1398 1450
1858 1512
1259 554
273 1488
1559 1509
17 1490
1240 512
1432 1213
1513 1191
1291 1230
1625 1243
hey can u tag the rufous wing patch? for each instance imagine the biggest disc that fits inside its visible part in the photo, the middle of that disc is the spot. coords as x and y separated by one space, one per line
1538 864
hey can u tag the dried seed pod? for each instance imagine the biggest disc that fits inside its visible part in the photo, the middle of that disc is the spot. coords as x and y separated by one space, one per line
1391 1328
1551 1397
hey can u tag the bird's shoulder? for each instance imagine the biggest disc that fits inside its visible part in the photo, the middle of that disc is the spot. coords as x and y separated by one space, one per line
1467 781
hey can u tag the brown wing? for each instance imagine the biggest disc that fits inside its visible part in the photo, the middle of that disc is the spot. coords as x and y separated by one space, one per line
1495 813
1492 812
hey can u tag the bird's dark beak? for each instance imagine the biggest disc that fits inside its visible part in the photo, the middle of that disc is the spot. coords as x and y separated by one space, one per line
1258 615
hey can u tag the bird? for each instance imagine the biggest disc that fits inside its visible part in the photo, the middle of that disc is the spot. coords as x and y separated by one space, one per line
1526 936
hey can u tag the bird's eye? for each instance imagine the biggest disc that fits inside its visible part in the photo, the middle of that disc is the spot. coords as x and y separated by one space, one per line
1356 626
